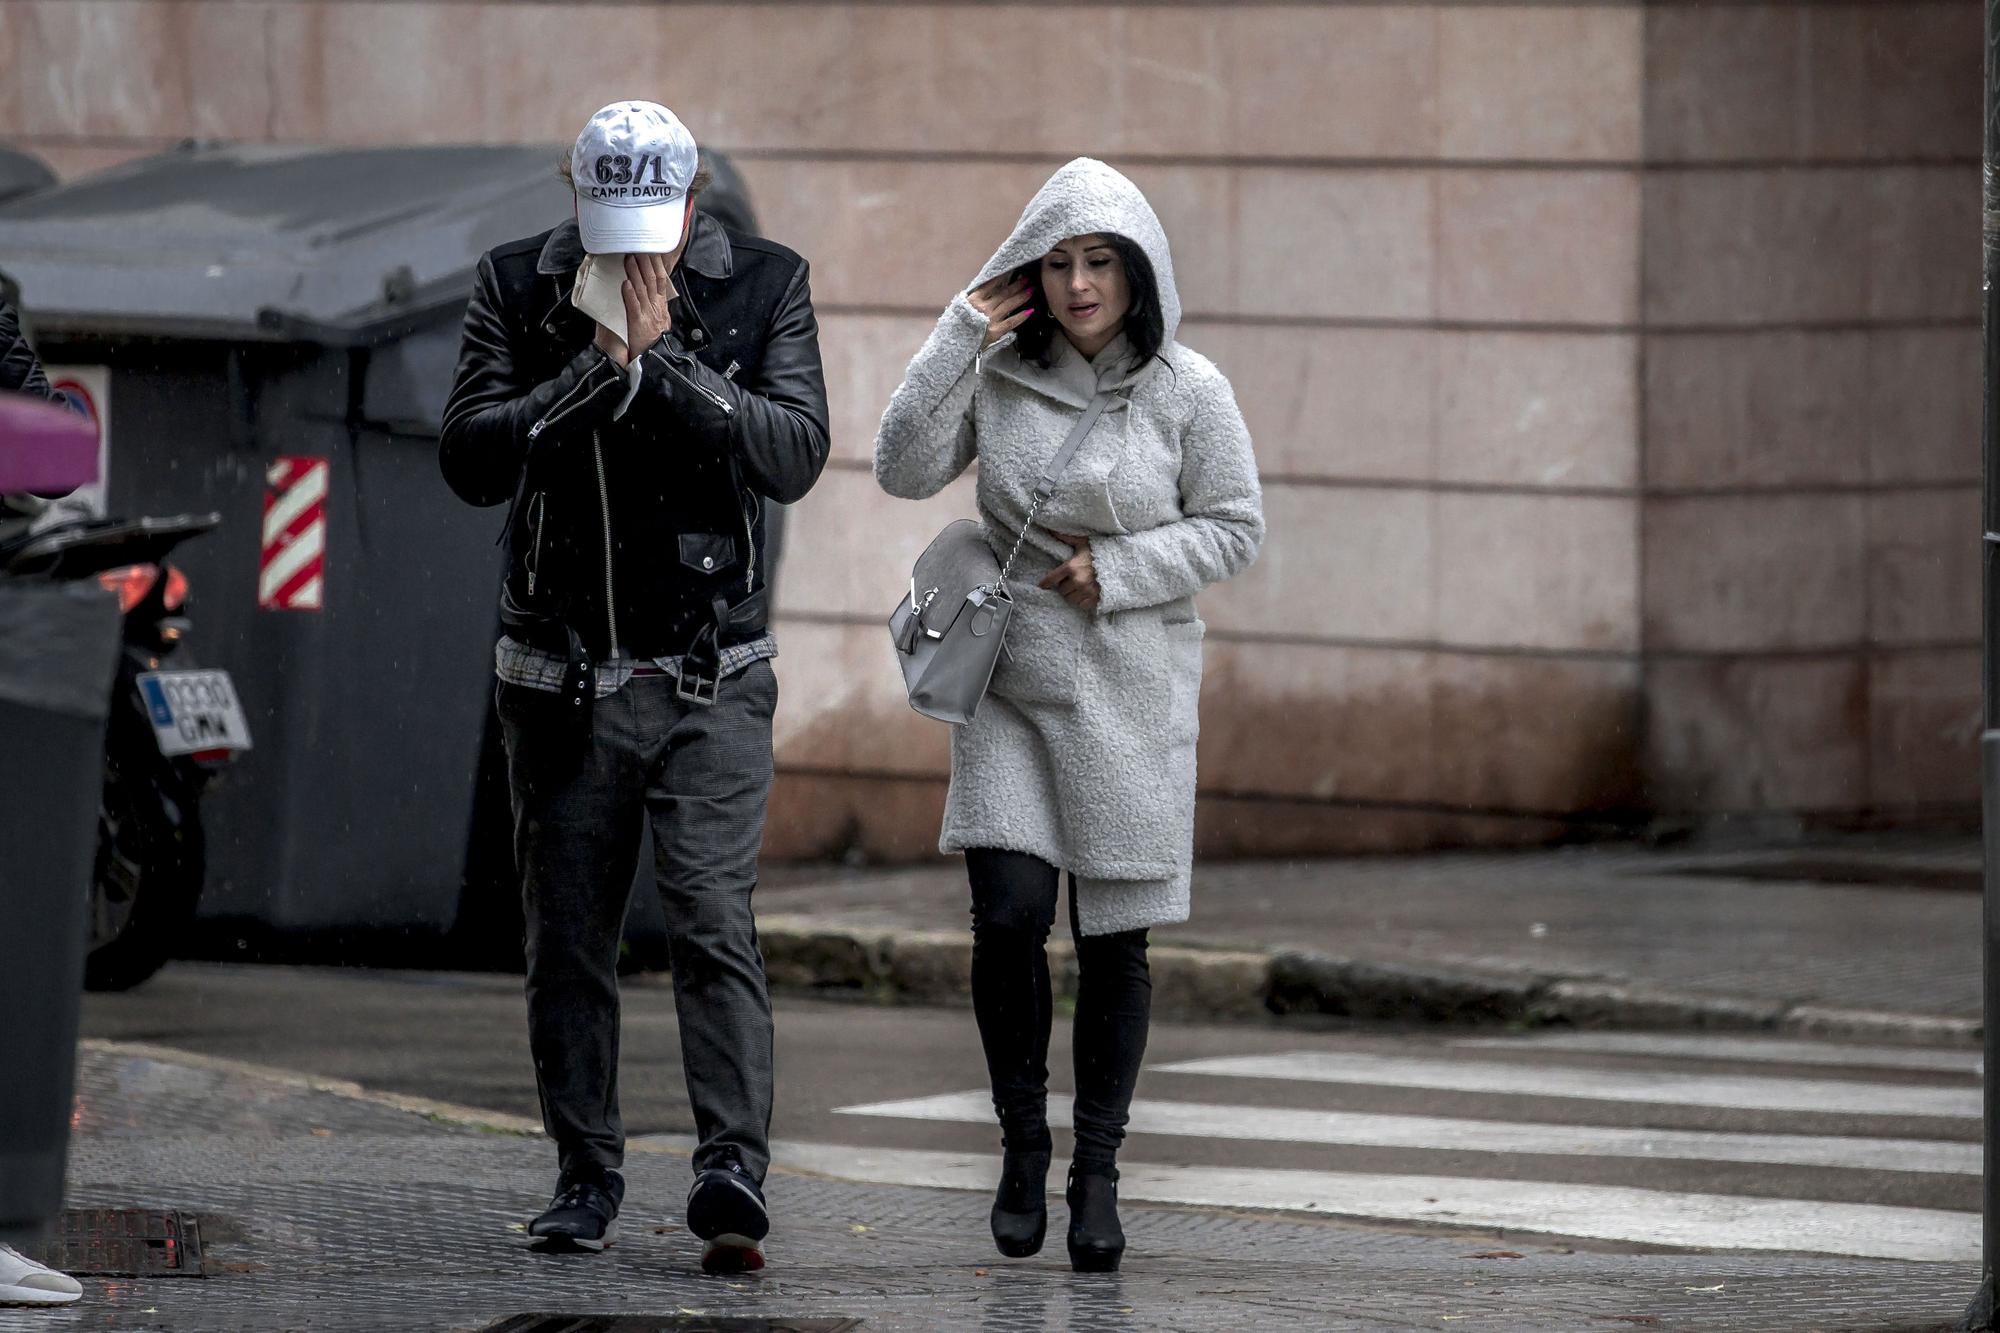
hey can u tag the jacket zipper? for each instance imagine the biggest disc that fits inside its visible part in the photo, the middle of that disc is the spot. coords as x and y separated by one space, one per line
564 406
750 542
537 510
604 508
709 394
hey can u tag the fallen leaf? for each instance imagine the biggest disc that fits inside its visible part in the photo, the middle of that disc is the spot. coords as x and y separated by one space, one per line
979 1272
319 1132
1497 1254
665 1231
858 1229
517 1226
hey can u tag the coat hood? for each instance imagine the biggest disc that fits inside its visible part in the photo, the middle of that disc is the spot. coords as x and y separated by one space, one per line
1083 198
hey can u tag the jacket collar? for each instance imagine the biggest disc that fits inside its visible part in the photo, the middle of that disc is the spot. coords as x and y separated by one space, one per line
708 251
1069 378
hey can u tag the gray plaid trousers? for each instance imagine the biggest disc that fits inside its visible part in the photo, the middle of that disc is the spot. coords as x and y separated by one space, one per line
702 775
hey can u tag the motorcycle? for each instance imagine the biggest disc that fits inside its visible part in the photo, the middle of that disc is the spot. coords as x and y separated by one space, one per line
171 730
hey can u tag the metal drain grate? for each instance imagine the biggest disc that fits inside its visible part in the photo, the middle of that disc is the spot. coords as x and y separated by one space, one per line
125 1242
669 1323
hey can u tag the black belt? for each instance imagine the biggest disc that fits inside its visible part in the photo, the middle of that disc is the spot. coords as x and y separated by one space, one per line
701 666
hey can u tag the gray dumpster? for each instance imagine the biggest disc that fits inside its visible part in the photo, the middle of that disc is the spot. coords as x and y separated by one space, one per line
264 319
22 173
58 648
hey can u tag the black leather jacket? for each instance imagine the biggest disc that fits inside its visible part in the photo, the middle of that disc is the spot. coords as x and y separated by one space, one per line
644 531
20 372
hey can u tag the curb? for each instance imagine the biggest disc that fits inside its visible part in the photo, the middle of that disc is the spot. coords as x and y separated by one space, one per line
444 1113
827 955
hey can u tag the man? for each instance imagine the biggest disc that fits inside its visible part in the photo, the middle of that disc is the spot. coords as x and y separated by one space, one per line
635 674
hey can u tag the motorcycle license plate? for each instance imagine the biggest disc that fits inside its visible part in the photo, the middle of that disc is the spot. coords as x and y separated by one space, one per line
194 712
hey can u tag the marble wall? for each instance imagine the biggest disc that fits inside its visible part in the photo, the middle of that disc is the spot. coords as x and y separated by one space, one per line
1810 546
1612 366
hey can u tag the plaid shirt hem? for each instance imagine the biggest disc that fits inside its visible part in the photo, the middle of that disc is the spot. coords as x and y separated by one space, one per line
521 664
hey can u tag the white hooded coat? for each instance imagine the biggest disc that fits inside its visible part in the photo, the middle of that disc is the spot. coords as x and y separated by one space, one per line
1083 752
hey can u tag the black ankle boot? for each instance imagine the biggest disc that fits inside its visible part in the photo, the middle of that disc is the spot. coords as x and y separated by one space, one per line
1020 1205
1096 1241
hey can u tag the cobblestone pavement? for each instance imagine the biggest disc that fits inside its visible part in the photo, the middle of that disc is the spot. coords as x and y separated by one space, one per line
1670 919
331 1211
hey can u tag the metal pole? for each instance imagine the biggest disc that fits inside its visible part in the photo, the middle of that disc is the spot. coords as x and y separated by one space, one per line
1980 1315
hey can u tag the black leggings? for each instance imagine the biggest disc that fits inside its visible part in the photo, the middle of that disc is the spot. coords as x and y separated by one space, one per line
1013 908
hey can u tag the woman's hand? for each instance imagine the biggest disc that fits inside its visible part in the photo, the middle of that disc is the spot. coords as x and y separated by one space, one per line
1076 577
1002 301
647 288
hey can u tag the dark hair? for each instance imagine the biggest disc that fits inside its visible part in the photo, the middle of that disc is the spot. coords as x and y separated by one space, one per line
1145 326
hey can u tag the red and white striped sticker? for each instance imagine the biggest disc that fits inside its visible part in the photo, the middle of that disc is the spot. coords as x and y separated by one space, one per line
292 574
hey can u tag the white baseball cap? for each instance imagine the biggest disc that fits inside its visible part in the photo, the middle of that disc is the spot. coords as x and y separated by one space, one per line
631 166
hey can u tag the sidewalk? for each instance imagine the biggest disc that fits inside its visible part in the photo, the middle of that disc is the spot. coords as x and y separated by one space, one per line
323 1206
1594 936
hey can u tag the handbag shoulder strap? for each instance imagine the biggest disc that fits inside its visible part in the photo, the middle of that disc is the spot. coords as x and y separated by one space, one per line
1060 463
1057 465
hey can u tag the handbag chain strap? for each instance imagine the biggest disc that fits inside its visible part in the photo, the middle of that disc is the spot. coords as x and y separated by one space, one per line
1047 485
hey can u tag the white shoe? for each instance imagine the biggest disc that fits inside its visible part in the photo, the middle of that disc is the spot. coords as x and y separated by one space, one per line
25 1282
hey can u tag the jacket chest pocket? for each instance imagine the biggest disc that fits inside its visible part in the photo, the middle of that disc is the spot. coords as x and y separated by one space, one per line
708 552
1043 651
725 351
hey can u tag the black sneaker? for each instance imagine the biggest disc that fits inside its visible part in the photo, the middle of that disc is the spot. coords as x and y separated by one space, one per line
726 1209
582 1216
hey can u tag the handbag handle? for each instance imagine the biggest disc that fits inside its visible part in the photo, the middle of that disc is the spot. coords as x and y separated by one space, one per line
1047 485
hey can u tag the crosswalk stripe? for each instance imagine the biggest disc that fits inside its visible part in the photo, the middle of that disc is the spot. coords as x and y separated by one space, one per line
1276 1124
1736 1048
1733 1092
1596 1212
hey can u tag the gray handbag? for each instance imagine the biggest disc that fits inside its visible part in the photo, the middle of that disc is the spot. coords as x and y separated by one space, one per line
950 627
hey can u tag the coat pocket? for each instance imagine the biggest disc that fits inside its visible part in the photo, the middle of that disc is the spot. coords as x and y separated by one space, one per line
1183 658
1044 646
538 516
707 552
535 574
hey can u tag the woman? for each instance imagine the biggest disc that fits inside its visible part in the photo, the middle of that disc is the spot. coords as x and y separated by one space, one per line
1083 754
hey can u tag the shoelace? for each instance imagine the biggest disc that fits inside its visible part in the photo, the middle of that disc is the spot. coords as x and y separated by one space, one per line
574 1196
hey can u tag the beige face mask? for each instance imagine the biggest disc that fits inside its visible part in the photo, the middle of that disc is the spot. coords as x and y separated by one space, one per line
599 293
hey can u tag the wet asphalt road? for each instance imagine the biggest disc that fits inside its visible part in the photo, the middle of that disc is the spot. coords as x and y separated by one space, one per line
1342 1104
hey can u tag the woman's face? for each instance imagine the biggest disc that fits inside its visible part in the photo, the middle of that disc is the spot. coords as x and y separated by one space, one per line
1084 282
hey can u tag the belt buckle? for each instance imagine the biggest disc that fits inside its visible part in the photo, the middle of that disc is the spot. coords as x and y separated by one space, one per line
691 686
